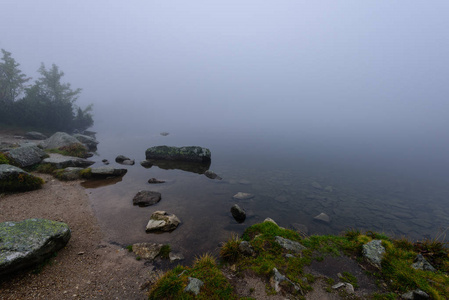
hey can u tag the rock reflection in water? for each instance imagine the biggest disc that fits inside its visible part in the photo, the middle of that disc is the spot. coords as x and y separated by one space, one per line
96 183
188 166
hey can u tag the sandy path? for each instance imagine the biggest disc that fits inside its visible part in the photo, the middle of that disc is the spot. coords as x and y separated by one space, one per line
87 267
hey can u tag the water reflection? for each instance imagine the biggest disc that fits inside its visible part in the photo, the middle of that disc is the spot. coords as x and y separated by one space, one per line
188 166
96 183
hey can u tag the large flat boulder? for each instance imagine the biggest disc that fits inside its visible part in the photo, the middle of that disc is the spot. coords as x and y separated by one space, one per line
187 153
34 135
62 161
60 139
106 172
26 155
14 179
29 242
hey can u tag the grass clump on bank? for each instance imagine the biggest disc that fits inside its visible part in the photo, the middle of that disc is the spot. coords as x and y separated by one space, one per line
75 150
172 284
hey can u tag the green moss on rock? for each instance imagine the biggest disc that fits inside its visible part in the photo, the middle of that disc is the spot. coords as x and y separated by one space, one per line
13 179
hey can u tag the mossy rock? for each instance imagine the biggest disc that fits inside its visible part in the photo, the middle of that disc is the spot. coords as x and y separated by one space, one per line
187 153
14 179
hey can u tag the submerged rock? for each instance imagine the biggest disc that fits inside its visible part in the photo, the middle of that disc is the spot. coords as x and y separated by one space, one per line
212 175
146 198
322 217
187 153
238 213
243 196
105 172
27 243
162 221
154 181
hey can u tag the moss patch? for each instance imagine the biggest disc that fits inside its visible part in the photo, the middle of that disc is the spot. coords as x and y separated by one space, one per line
20 182
76 150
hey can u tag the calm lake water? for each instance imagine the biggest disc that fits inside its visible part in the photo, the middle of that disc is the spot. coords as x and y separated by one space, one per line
292 180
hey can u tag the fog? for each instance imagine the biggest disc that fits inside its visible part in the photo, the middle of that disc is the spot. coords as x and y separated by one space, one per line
360 77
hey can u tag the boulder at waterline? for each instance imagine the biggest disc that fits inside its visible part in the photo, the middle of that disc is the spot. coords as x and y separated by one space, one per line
162 221
26 155
238 213
107 172
14 179
34 135
146 198
61 139
61 161
243 196
155 181
147 251
88 141
187 153
27 243
121 158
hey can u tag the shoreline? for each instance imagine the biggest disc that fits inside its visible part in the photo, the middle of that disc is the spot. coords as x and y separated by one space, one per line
88 267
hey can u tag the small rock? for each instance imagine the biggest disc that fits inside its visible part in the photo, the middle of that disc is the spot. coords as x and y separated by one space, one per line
243 196
154 180
246 249
374 252
146 198
121 158
238 213
162 221
146 164
194 285
212 175
128 162
338 285
289 244
278 278
164 133
271 221
322 217
147 251
175 256
420 263
415 295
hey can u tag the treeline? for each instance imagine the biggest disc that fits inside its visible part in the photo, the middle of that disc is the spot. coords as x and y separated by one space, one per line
47 104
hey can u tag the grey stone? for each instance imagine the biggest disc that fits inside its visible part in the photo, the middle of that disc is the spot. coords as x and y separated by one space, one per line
11 174
121 158
194 286
70 173
422 264
128 162
349 288
61 161
27 155
88 141
34 135
238 213
146 198
415 295
243 196
322 217
27 243
212 175
104 172
289 244
162 221
271 221
246 249
147 251
278 278
301 228
175 256
188 153
374 252
60 139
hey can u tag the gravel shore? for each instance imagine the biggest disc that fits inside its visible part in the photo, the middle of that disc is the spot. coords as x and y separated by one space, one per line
88 267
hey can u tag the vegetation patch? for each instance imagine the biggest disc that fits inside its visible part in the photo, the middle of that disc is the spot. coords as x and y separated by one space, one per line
75 150
165 251
45 168
5 159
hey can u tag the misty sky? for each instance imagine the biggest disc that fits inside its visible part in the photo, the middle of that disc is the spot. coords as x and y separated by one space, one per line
367 70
